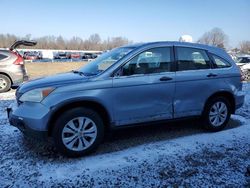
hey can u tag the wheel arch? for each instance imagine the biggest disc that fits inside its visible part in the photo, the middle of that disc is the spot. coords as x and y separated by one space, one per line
96 106
5 74
225 94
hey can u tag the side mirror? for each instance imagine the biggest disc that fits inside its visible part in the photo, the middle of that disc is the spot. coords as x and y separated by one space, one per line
118 73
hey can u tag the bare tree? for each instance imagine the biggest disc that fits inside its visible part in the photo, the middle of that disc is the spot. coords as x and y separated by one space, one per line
6 40
115 42
60 42
245 47
215 37
95 39
94 42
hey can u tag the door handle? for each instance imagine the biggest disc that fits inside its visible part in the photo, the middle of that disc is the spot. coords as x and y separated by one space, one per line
212 75
165 78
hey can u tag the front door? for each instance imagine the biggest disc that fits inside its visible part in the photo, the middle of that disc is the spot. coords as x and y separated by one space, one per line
143 89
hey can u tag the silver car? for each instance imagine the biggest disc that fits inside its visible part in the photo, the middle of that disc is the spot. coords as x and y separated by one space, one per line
130 85
12 69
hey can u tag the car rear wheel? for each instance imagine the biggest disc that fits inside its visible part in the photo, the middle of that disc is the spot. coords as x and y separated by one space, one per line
78 132
246 75
5 83
217 114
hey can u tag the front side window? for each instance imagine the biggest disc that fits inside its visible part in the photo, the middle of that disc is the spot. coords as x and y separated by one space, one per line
192 59
154 60
220 63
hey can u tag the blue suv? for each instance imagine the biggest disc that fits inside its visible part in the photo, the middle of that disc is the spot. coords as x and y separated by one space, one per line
129 85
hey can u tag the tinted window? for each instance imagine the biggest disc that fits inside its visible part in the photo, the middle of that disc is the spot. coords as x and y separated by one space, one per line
220 63
192 59
2 56
154 60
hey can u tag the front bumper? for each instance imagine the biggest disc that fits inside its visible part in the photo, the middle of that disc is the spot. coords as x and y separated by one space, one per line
31 119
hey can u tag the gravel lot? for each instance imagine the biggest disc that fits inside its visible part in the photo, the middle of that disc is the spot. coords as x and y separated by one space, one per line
173 154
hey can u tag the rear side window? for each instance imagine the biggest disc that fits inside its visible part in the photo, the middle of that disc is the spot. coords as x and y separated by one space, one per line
220 63
192 59
2 57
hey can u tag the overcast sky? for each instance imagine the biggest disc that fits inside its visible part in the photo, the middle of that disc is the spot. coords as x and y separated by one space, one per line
137 20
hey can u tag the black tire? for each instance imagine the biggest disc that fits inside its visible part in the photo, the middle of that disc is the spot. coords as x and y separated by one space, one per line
57 132
205 117
246 75
5 83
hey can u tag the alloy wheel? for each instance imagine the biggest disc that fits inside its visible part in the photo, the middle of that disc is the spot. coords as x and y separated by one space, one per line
79 133
3 83
218 113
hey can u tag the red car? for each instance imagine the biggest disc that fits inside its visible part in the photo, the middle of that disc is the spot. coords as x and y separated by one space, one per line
74 55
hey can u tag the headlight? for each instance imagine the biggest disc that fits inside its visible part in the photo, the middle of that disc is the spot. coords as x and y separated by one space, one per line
36 95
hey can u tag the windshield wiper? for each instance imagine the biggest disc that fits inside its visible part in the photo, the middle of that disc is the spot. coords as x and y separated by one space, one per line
83 73
78 72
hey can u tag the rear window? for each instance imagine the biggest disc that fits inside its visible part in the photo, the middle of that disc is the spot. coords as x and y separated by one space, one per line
2 57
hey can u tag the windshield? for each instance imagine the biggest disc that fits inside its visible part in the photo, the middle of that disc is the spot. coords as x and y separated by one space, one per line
104 61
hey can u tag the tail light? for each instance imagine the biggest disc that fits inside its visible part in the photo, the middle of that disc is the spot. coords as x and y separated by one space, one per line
19 60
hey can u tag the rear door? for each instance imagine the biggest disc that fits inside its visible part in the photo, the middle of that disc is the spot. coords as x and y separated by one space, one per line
194 78
143 89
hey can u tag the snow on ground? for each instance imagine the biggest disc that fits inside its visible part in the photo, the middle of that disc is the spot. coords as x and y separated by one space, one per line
174 154
245 110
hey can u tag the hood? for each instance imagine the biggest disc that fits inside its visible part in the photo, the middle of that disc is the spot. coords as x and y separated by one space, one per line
56 81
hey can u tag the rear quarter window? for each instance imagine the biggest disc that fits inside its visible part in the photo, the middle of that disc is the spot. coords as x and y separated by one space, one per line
219 62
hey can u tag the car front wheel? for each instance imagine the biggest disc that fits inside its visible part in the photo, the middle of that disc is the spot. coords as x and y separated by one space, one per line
217 114
78 132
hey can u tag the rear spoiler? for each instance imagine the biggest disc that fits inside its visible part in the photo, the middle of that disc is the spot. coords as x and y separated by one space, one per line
22 42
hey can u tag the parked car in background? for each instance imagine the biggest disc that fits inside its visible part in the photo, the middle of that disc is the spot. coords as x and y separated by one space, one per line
246 71
60 55
74 55
135 84
32 55
242 60
93 56
12 68
85 57
88 56
244 63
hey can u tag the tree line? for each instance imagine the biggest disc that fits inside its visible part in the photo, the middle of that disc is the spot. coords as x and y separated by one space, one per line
215 37
94 42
